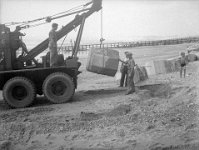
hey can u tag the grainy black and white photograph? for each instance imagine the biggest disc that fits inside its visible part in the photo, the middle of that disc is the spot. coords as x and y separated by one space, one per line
99 74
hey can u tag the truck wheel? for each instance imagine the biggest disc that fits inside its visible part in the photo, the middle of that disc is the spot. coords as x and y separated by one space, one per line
58 87
19 92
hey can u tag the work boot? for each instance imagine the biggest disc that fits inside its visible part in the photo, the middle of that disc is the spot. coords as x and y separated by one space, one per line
130 92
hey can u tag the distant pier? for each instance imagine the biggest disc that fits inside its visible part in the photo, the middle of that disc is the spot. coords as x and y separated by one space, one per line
132 44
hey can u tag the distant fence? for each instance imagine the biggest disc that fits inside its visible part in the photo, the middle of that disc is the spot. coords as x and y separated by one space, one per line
133 44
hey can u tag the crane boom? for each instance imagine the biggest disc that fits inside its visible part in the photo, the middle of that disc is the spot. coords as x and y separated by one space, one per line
96 6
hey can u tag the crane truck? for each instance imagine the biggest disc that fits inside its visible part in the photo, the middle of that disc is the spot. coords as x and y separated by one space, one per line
23 77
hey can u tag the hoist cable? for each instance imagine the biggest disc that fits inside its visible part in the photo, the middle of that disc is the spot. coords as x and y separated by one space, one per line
34 25
101 24
101 27
70 11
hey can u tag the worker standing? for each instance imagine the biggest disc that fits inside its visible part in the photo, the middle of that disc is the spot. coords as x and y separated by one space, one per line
183 62
53 45
124 71
131 65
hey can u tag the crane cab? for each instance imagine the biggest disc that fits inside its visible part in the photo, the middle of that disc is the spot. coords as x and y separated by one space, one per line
22 81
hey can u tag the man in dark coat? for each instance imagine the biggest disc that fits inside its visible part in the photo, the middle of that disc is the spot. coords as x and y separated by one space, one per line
53 45
131 72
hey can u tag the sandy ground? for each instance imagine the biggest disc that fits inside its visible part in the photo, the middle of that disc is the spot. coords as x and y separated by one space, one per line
161 115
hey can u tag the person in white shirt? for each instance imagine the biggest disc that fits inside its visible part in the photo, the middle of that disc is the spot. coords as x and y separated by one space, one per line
124 71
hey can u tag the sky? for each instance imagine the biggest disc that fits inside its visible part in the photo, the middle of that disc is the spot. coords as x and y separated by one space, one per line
123 20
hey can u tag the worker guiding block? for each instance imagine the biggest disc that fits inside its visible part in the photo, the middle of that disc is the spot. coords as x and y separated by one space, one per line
106 61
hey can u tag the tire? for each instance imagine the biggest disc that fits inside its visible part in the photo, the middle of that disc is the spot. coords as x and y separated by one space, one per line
19 92
58 87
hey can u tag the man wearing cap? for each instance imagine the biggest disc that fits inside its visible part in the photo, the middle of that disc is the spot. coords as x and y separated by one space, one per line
124 71
131 65
53 45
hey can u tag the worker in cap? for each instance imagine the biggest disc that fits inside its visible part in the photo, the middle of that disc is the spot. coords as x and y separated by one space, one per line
54 25
126 52
129 54
130 66
53 45
124 71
